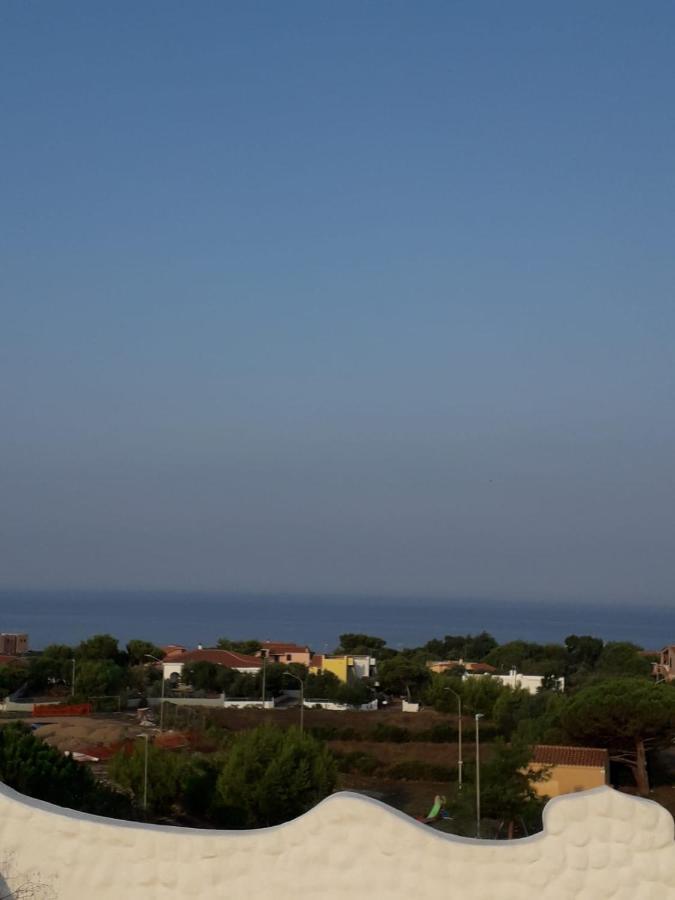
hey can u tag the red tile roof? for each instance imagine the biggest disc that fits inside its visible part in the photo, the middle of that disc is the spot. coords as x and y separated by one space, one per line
553 755
227 658
281 647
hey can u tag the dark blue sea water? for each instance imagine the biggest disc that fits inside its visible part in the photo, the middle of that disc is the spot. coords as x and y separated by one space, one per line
190 618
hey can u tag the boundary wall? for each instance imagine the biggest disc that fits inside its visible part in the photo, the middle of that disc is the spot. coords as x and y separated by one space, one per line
597 844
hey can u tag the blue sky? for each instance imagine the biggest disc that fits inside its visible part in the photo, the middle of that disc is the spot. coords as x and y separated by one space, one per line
338 297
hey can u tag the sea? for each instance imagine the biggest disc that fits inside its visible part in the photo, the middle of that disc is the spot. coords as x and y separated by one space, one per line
189 618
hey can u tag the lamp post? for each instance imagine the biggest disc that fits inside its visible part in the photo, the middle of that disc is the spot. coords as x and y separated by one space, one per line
478 717
72 681
145 773
161 702
460 761
302 699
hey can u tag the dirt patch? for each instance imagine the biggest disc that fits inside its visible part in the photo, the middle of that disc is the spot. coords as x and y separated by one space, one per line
89 733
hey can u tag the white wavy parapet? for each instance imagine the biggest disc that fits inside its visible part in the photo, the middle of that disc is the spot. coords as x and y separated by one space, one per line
596 844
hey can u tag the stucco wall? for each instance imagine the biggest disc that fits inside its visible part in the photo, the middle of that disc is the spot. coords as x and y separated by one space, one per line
568 779
596 845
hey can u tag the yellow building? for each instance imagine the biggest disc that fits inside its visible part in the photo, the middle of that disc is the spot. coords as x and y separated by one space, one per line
341 666
571 769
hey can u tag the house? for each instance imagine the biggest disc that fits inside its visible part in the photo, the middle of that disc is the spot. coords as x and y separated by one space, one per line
345 667
447 665
279 652
664 669
570 769
174 662
515 679
13 644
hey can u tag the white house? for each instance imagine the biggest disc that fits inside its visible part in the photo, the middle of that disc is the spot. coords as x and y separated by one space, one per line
515 679
173 663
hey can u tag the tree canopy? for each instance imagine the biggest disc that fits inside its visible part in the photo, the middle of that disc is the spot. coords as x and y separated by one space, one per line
626 715
271 775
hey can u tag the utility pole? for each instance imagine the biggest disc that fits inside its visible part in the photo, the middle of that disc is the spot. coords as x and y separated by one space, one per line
478 717
460 760
302 699
161 702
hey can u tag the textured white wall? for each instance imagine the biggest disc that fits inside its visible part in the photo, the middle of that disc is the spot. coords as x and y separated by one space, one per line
595 845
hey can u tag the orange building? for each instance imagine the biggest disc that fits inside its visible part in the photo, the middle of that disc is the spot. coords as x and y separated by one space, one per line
280 652
571 769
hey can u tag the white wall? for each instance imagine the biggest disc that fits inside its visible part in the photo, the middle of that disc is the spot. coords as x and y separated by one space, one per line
514 679
598 844
334 706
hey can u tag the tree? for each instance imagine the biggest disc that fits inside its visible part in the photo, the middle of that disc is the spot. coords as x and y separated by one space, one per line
166 774
271 775
629 716
583 652
34 768
461 646
100 646
323 686
203 675
11 678
98 678
52 666
623 658
401 675
529 717
355 693
138 652
507 794
363 644
250 647
529 658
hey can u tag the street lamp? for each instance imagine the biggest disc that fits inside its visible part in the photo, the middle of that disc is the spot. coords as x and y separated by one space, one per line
161 705
478 717
145 773
460 761
72 683
302 699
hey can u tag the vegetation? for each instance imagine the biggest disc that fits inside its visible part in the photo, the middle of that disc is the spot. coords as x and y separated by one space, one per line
247 647
629 716
167 773
32 767
271 775
507 794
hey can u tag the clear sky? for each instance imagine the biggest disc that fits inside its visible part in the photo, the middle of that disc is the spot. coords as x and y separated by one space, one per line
340 296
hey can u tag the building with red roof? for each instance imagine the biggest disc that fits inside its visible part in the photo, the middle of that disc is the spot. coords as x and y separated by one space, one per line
570 769
280 652
173 662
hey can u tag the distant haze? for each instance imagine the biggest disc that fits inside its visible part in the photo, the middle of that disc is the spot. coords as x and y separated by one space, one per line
343 298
